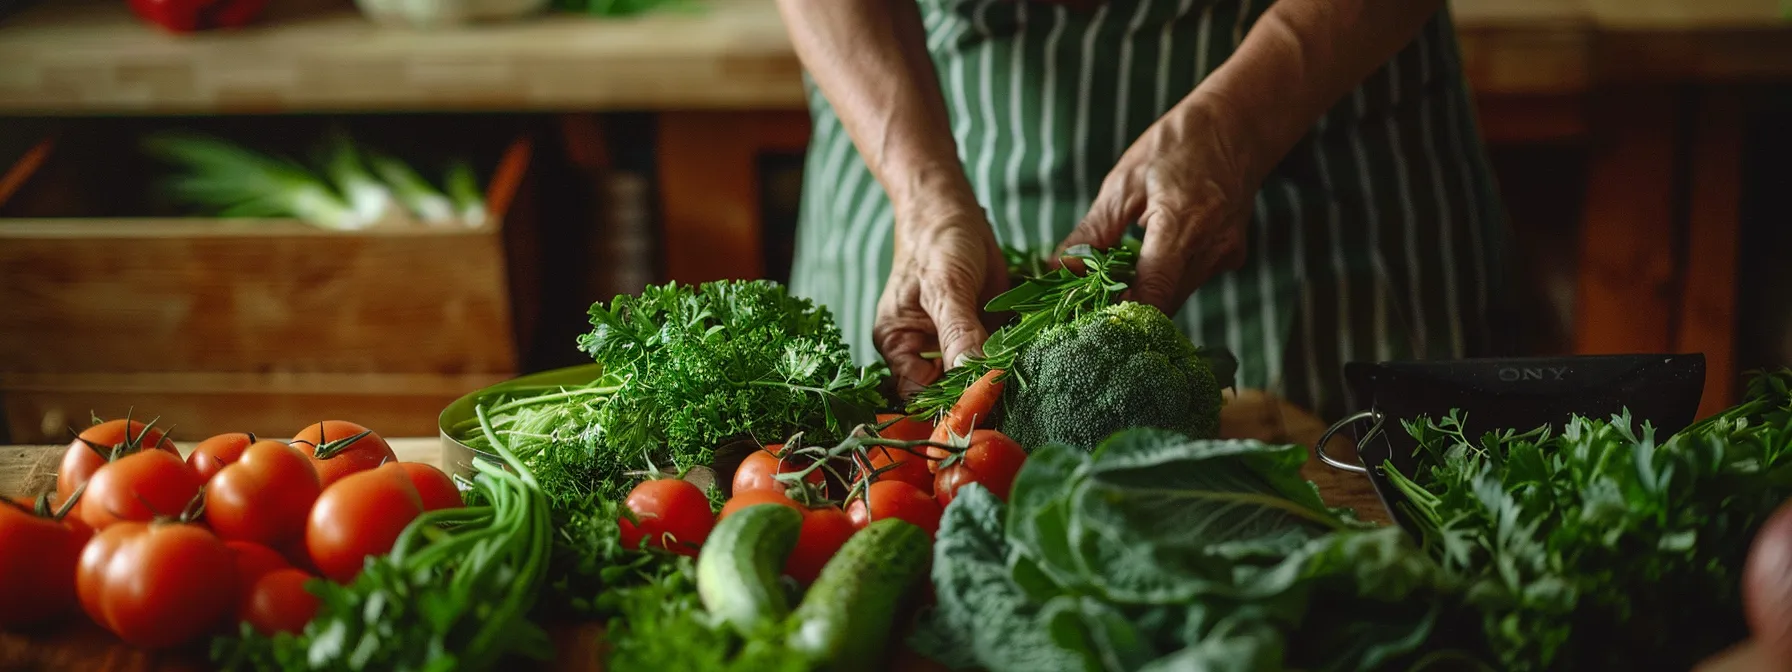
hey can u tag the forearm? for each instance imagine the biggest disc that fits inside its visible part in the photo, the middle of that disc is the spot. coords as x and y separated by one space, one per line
870 60
1298 60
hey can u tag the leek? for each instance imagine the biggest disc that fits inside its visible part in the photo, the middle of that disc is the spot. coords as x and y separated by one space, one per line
367 196
463 189
238 182
412 190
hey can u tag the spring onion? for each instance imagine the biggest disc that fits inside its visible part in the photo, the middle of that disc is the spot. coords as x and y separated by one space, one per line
367 196
463 189
416 193
237 182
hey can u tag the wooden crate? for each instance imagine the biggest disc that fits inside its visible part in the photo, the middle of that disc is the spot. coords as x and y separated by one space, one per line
260 325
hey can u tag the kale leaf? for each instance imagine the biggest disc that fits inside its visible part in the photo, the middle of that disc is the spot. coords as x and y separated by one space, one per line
1161 552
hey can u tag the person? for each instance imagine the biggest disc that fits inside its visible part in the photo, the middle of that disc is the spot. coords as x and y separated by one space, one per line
1306 176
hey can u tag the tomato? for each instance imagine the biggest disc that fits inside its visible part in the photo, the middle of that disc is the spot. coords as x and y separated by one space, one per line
254 560
436 488
911 468
37 565
215 453
825 529
278 602
139 487
906 429
360 516
896 499
338 448
992 459
158 585
757 471
668 507
745 499
92 449
265 497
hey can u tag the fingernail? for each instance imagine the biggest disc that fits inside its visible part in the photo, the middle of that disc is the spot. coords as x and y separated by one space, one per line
966 356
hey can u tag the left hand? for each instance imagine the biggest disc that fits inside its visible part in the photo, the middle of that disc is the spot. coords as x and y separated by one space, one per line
1185 182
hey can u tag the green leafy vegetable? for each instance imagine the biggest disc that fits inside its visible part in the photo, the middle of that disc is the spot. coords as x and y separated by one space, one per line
662 626
1559 531
1162 552
554 430
1044 301
698 365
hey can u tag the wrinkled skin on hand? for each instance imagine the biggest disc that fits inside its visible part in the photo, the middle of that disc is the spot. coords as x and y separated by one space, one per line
946 266
1184 181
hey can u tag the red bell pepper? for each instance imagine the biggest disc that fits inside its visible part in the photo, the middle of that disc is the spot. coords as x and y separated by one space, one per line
186 16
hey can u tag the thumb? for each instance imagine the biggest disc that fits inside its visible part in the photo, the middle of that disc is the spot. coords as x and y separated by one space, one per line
961 332
1113 210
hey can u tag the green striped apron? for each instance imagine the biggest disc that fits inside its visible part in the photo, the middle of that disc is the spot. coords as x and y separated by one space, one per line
1378 237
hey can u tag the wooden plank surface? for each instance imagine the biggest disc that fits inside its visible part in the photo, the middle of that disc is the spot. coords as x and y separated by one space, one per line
83 56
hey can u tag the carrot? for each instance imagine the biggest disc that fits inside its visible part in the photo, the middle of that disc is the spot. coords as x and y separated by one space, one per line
975 405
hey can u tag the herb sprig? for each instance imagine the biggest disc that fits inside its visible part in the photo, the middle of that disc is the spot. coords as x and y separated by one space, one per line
699 365
1043 300
1555 531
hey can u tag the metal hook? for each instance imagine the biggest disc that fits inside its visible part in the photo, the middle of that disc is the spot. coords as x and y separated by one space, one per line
1324 439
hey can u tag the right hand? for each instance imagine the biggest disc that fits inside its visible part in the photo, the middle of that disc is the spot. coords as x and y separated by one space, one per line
946 266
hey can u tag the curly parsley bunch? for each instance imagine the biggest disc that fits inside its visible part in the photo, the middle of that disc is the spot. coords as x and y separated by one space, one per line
698 365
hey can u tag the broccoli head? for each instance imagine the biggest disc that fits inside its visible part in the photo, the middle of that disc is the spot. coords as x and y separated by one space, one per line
1120 367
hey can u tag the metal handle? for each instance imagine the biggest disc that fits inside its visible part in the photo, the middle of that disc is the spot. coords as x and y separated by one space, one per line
1335 463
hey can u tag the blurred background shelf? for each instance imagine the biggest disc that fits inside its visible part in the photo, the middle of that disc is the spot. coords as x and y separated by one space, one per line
95 56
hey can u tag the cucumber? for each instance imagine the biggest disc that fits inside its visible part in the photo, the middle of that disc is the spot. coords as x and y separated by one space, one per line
845 620
739 566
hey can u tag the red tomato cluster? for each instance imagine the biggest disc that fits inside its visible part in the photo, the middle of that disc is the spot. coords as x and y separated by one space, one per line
163 551
911 484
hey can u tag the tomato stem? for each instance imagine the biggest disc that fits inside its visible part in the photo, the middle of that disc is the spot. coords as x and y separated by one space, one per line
327 449
68 505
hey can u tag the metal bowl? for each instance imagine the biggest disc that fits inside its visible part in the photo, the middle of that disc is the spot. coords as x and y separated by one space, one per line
457 457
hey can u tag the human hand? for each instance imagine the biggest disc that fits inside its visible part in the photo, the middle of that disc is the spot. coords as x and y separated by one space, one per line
946 266
1185 181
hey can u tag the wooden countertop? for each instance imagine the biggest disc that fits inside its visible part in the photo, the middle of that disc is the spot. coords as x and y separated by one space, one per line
94 56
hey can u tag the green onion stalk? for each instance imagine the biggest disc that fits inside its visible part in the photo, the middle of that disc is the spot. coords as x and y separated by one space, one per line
233 181
463 191
369 198
416 193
